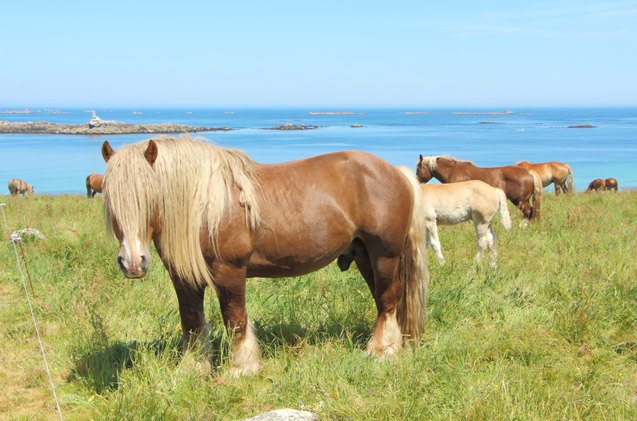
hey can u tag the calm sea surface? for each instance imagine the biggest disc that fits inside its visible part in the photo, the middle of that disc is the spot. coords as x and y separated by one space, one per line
59 163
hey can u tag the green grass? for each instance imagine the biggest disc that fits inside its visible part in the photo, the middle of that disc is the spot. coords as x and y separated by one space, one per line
550 334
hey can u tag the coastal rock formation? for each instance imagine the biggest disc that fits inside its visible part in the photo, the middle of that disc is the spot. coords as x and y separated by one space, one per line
289 126
101 127
582 126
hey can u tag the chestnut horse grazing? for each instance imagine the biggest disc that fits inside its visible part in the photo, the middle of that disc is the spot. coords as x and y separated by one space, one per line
17 186
94 184
558 173
596 185
216 217
520 185
610 184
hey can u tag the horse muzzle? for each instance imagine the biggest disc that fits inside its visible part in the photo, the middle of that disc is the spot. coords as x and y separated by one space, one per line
133 270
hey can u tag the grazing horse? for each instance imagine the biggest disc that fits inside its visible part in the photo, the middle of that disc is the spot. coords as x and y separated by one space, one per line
17 186
610 184
451 204
216 217
94 184
520 185
558 173
596 185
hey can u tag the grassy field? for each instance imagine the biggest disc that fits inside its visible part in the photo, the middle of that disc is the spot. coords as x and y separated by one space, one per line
550 334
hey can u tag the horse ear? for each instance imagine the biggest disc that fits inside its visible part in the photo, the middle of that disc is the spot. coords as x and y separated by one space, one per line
421 157
151 152
107 151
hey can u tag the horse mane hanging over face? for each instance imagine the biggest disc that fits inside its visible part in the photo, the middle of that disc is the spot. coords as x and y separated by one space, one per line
190 184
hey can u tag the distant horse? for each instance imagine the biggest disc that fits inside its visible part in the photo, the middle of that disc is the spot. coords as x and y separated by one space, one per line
520 185
610 184
596 185
216 217
94 184
17 186
558 173
451 204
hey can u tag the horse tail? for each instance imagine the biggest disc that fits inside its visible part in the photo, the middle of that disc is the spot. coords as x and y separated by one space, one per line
569 180
504 209
88 186
537 195
412 270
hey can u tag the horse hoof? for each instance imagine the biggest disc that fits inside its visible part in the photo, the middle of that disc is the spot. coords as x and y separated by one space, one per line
248 370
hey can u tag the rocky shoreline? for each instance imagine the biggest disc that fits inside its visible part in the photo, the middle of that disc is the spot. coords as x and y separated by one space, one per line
115 128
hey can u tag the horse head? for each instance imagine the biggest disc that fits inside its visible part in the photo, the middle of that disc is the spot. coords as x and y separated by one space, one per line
130 209
423 169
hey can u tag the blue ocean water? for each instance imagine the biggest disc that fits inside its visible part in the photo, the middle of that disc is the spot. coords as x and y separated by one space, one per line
59 163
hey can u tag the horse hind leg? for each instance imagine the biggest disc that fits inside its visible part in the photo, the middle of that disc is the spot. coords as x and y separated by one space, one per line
483 237
387 338
492 247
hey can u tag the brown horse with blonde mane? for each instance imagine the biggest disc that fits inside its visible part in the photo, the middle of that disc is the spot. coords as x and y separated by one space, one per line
216 218
17 186
520 185
610 184
558 173
596 185
94 184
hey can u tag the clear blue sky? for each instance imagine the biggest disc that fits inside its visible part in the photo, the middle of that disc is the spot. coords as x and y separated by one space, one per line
320 53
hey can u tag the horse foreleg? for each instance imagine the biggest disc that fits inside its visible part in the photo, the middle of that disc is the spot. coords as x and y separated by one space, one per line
387 339
230 283
191 311
433 240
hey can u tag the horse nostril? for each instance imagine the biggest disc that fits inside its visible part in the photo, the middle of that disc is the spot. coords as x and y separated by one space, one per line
120 262
144 263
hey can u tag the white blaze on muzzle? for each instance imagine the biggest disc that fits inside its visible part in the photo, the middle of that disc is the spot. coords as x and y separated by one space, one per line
133 258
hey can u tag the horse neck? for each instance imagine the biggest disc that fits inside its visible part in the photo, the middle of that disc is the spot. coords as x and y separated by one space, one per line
443 172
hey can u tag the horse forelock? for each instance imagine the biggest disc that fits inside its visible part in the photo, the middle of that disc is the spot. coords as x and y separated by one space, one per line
190 184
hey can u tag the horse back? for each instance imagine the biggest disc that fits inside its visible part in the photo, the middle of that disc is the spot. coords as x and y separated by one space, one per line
312 209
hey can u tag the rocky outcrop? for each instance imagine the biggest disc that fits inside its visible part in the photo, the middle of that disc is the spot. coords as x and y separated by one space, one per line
582 126
111 128
289 126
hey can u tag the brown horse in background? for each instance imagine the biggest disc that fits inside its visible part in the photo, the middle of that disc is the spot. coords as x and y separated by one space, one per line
17 186
610 184
94 184
558 173
217 218
596 185
520 185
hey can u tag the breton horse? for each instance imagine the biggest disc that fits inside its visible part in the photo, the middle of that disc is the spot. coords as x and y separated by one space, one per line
94 184
596 185
520 185
216 217
558 173
610 184
17 186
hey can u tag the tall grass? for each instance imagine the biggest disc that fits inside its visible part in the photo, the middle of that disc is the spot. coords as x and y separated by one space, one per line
551 333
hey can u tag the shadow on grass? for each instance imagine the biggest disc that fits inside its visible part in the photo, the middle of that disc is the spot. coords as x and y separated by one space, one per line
99 365
354 333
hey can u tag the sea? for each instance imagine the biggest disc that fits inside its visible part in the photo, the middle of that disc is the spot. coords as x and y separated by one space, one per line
59 164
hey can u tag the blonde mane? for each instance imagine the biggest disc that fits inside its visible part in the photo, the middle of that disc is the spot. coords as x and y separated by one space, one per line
190 185
430 161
